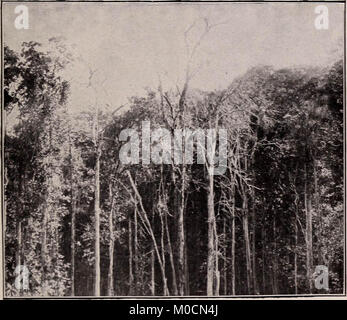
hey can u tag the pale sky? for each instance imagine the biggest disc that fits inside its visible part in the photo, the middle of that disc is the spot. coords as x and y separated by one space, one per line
132 45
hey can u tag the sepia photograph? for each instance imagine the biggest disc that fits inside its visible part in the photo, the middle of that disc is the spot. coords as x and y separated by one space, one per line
173 149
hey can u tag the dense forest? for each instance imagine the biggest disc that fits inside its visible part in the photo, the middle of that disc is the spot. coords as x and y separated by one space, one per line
85 223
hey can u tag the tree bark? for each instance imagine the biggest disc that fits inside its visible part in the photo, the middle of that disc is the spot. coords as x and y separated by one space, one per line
130 244
295 257
73 240
247 246
317 207
274 258
216 257
263 239
210 240
254 260
97 275
172 263
18 253
152 272
233 243
73 216
136 252
181 239
111 244
308 236
225 278
162 245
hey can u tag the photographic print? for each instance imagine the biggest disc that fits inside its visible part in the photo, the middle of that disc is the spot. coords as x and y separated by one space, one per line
173 149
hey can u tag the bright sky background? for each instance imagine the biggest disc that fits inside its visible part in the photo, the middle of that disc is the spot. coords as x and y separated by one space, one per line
131 45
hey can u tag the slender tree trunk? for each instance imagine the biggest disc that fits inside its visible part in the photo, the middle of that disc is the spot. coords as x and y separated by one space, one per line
20 209
181 240
73 218
245 222
111 244
130 244
97 153
45 224
274 261
153 291
162 245
44 255
181 245
18 253
225 278
210 240
97 274
233 279
254 260
186 270
73 240
136 252
44 250
319 215
152 272
216 250
26 240
309 253
296 256
296 240
263 239
172 263
247 246
19 243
